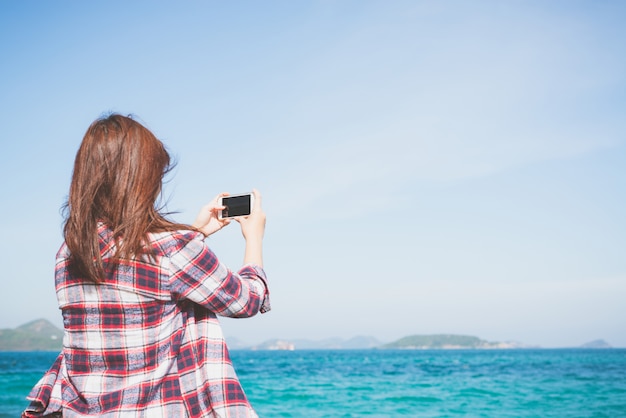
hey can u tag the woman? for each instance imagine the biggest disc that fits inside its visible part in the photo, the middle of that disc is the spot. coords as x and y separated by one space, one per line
140 294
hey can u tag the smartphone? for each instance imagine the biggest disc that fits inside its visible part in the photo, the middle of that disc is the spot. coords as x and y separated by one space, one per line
236 205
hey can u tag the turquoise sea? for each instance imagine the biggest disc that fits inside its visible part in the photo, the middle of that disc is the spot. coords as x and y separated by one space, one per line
401 383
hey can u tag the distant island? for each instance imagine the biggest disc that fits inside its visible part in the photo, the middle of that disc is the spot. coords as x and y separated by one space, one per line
596 344
412 342
359 342
448 342
41 335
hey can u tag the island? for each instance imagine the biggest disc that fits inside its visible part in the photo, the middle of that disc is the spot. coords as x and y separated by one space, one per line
38 335
447 342
42 335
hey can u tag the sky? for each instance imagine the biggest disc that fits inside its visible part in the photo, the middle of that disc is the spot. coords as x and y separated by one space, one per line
426 166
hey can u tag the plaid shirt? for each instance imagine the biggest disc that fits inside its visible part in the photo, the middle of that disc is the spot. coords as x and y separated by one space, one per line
146 342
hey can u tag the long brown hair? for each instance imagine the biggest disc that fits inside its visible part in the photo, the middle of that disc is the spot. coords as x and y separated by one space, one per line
117 178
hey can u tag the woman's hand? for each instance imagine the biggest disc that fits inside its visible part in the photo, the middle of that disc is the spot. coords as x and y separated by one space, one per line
253 225
208 221
253 228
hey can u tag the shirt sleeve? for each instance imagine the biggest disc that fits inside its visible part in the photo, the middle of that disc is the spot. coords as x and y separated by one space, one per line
197 275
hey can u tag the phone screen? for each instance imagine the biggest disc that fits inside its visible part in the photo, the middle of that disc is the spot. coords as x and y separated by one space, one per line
236 206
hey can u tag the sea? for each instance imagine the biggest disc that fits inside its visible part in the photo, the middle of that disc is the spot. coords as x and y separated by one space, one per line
400 383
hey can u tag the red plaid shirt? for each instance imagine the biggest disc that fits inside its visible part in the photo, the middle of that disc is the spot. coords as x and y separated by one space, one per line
146 342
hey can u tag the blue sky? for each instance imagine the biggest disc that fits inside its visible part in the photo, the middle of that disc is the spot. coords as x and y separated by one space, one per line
426 167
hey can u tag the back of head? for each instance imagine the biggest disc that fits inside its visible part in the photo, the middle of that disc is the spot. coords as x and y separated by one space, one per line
117 178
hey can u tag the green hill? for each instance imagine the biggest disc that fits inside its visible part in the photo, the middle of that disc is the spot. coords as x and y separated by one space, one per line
39 335
441 341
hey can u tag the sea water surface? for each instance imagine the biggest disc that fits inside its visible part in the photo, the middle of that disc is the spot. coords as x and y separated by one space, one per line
400 383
